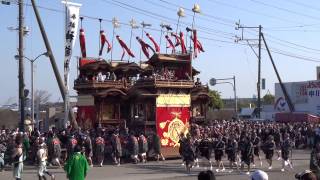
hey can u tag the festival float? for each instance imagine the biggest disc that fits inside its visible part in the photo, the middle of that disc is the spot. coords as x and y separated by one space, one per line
158 95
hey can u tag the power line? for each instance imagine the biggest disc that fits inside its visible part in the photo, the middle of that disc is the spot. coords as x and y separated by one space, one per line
295 44
274 50
295 30
287 42
288 54
252 12
285 10
303 5
190 14
231 21
159 16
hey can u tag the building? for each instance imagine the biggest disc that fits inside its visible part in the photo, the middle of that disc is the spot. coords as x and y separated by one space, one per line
304 95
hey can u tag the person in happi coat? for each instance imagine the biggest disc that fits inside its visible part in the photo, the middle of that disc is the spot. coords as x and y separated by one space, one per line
256 148
143 148
99 149
88 149
218 152
286 148
56 155
116 147
231 151
206 148
77 165
188 153
72 142
246 153
157 147
269 148
133 148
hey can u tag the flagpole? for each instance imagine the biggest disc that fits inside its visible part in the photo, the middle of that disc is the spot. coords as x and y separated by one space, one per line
115 24
66 102
99 38
195 9
133 25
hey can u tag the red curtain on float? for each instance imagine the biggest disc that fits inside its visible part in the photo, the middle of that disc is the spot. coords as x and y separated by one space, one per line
171 122
86 116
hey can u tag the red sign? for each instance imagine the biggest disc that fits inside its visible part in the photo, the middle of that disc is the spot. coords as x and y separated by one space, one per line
171 122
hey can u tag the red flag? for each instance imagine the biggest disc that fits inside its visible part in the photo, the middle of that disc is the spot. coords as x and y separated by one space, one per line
183 46
200 48
177 39
82 43
124 47
170 44
103 40
145 47
195 42
156 46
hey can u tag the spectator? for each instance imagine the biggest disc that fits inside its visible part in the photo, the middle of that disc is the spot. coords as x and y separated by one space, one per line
259 175
77 165
306 175
206 175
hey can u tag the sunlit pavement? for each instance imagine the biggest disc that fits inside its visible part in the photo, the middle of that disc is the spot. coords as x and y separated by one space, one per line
169 170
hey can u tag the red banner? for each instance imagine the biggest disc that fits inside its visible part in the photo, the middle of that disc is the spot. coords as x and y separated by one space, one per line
171 122
86 116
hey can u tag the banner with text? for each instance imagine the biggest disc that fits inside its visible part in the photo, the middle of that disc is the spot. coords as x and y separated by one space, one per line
71 29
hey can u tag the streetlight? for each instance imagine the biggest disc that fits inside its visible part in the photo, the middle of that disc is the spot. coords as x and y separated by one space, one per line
32 84
213 82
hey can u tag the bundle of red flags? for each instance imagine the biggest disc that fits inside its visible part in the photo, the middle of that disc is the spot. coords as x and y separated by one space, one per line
145 47
156 46
82 43
197 46
104 40
124 47
171 45
183 46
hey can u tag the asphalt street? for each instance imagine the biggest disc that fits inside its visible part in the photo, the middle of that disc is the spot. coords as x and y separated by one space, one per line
169 170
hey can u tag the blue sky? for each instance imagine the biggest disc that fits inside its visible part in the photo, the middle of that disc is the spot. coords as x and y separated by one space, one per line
290 27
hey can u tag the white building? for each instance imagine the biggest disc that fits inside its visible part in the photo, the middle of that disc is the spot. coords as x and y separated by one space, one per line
304 95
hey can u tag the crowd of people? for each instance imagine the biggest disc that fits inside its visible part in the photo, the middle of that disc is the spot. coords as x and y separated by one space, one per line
243 143
57 147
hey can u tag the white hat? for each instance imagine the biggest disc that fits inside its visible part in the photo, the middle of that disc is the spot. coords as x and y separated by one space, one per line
259 175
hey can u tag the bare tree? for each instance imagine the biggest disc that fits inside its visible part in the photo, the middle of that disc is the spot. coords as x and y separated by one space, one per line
42 96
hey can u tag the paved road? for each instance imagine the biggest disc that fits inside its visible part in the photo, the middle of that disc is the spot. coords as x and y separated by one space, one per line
169 170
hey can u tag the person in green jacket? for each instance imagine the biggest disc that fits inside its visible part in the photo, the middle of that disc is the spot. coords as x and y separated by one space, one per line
77 165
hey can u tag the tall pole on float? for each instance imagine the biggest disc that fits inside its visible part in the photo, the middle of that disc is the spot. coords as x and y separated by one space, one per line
195 9
115 24
133 25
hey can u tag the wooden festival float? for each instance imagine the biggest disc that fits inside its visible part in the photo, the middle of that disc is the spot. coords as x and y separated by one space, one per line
158 95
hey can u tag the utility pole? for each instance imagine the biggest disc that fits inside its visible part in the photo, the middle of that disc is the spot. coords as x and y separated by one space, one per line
283 87
62 88
21 69
239 26
259 74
